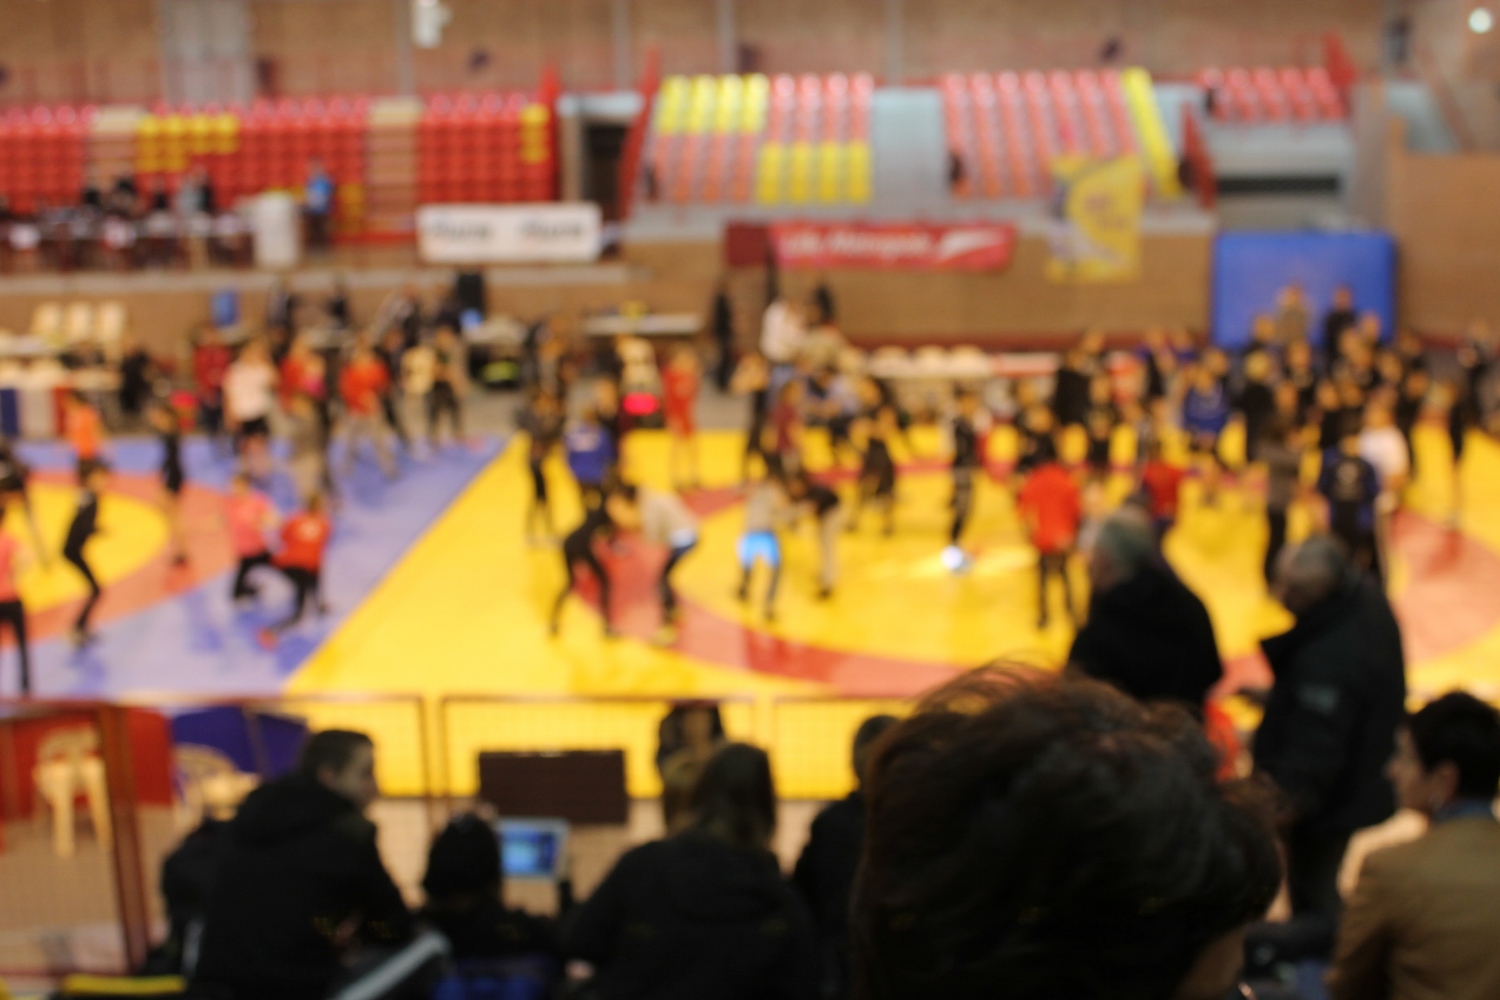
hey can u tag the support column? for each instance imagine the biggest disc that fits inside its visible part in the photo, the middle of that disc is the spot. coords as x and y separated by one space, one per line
619 16
895 30
728 36
406 73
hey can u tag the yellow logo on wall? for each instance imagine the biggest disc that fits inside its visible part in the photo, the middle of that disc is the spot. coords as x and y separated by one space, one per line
1096 234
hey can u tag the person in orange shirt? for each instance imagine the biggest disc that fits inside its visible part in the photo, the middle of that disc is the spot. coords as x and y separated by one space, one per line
362 385
1051 506
83 428
304 539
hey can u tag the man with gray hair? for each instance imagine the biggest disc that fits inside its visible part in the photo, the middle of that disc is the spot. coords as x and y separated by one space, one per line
1147 633
1338 696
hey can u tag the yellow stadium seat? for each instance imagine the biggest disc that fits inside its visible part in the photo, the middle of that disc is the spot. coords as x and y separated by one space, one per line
731 103
831 160
701 108
671 104
757 96
860 186
799 174
768 174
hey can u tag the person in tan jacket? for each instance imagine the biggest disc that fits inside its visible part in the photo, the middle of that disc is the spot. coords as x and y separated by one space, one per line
1423 923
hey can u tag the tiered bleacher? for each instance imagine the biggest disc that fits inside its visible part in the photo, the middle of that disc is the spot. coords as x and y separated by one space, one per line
42 155
781 140
486 148
1006 129
1270 94
490 147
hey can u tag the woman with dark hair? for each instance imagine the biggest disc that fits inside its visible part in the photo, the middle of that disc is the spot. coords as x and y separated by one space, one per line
689 736
1033 839
703 914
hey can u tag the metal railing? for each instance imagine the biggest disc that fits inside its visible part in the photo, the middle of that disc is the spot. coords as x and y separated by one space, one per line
426 749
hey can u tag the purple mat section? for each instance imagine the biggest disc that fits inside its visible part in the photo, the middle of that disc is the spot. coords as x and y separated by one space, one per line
197 641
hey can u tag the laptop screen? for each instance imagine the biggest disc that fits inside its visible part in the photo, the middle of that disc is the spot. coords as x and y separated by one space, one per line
532 848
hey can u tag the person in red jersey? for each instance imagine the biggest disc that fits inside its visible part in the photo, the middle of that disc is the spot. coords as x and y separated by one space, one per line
304 538
250 516
1051 507
1161 484
680 384
362 384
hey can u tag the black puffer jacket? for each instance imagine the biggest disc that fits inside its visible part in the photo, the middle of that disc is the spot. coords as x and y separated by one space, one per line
300 868
1338 697
1151 637
693 918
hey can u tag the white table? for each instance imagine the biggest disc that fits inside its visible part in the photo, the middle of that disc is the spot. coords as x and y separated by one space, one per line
651 325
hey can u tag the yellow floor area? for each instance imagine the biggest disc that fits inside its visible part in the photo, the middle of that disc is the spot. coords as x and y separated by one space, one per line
461 620
131 533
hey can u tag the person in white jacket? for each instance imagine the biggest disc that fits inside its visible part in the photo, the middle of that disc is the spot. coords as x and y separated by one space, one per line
666 521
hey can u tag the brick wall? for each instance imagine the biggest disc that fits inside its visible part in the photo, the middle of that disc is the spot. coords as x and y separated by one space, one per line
106 49
78 50
1445 212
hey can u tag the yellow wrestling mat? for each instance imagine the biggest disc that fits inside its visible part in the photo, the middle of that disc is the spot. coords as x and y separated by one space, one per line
461 620
132 532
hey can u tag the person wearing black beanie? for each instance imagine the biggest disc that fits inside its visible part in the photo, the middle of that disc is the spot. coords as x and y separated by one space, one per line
464 885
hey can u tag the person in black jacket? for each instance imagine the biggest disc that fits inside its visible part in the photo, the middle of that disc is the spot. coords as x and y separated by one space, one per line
825 871
92 476
1070 393
1147 633
464 885
721 325
1338 696
703 915
300 879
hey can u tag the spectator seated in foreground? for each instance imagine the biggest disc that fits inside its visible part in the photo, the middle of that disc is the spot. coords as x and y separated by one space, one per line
1424 920
704 914
464 884
1036 839
825 871
300 881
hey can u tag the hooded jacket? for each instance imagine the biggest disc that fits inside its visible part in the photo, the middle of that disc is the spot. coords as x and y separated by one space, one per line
1338 697
1151 637
299 869
694 918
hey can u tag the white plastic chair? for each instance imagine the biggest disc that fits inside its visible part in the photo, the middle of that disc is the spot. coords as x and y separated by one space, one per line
931 358
109 322
78 322
68 763
208 783
46 320
890 362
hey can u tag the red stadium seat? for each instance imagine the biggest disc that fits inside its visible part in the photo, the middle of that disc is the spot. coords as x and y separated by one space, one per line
1119 112
1090 99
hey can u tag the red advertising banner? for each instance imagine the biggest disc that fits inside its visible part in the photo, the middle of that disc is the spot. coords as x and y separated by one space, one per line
907 247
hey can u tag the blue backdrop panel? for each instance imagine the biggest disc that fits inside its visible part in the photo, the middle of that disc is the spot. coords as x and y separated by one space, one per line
258 742
1251 268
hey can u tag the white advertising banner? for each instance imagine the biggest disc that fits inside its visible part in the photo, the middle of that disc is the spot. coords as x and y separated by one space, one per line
539 233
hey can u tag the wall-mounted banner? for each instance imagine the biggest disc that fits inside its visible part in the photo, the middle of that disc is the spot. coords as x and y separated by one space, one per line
1096 235
541 233
903 247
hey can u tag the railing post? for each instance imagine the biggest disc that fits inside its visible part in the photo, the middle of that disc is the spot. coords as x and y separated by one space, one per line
129 873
